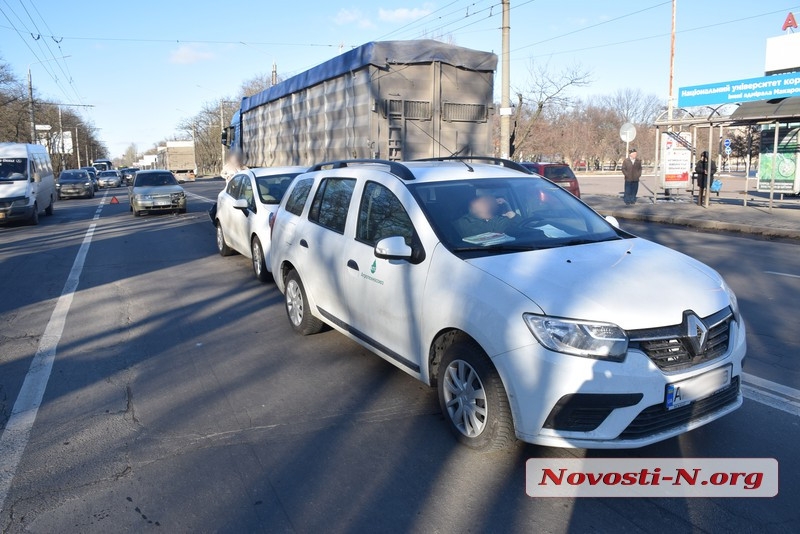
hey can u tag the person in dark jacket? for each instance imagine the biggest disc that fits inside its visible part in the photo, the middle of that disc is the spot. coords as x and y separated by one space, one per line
632 171
701 169
483 217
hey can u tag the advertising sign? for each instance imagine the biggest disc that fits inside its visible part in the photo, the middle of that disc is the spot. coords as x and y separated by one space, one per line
676 161
751 89
784 163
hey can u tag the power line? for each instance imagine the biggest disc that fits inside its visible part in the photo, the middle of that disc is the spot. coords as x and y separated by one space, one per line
416 21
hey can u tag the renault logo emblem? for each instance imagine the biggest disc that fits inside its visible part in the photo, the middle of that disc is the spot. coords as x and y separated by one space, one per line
696 333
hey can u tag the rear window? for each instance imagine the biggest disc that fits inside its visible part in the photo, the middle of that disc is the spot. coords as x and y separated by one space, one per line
272 188
558 172
298 196
332 202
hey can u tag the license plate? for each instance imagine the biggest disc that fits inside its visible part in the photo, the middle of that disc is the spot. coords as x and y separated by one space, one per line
163 203
698 387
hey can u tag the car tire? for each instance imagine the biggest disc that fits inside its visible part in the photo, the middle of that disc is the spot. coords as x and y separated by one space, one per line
222 245
182 210
473 400
259 263
136 213
34 220
49 209
297 309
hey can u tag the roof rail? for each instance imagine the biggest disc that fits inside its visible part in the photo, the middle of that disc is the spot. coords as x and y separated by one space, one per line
485 159
395 167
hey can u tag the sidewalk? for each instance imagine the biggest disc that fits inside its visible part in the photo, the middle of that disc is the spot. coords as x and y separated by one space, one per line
725 213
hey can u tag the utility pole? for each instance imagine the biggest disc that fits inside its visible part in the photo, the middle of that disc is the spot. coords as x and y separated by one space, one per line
274 79
505 89
30 107
670 102
221 131
77 147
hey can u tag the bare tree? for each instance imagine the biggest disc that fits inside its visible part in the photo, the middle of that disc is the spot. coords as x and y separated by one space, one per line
547 90
634 106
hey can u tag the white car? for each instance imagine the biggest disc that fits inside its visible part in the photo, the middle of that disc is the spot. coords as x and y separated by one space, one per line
243 211
534 316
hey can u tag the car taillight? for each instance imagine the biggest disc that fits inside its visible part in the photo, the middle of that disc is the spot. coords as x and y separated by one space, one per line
272 217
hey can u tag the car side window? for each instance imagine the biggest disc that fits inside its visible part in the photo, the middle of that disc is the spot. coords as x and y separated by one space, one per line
246 192
299 195
233 186
382 215
331 203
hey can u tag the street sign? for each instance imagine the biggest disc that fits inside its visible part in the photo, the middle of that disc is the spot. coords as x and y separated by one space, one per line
727 142
627 132
728 150
751 89
43 127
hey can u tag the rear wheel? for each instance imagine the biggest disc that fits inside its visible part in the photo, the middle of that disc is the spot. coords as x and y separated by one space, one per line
259 263
300 317
222 246
473 399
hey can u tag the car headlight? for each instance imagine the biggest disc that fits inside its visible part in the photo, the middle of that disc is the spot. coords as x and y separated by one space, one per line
732 297
143 197
20 203
88 184
602 341
178 195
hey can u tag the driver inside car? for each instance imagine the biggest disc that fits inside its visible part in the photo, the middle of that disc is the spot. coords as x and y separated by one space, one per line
486 214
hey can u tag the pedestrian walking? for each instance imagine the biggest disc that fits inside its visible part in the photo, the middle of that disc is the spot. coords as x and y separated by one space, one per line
704 177
632 171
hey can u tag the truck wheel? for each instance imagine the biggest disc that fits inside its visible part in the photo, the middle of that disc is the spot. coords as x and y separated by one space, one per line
297 308
259 263
34 220
473 400
49 209
222 246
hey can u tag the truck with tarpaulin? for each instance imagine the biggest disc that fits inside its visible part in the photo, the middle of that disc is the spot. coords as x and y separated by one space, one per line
395 100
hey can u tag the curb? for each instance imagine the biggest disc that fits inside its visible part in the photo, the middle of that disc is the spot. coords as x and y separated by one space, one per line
701 224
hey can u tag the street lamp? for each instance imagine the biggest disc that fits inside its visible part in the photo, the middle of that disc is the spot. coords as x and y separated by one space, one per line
30 94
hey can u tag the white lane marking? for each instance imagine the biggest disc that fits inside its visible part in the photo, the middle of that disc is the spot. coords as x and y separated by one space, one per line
200 197
782 274
100 206
18 428
771 394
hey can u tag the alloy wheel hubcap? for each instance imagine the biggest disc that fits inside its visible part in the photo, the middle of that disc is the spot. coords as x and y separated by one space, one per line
257 257
220 238
465 398
294 303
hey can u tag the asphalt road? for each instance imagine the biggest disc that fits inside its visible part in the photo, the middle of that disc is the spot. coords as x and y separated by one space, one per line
180 400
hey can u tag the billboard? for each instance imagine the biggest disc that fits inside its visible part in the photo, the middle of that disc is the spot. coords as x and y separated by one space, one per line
748 90
783 164
676 161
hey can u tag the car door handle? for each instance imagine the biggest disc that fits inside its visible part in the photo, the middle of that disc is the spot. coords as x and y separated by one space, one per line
303 243
352 264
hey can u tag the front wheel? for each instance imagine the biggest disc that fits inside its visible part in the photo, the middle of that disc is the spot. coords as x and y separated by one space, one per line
297 308
259 262
473 399
34 220
49 209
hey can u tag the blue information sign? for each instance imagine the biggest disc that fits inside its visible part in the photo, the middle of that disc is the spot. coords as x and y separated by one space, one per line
763 88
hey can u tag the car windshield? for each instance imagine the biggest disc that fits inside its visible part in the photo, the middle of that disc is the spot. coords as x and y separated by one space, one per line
272 188
13 169
72 178
155 179
108 173
488 216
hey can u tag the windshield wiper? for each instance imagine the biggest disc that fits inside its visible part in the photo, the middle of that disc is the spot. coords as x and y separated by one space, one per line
497 248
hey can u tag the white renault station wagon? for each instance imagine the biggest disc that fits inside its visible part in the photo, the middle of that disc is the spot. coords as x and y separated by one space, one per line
534 316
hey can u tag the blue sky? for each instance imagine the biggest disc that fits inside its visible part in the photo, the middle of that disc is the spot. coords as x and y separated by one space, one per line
146 65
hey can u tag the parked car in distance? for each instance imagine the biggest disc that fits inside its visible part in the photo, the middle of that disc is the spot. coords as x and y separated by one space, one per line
128 174
558 173
531 314
156 190
93 174
244 208
74 183
109 179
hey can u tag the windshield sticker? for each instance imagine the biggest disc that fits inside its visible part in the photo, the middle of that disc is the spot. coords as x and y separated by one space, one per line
489 238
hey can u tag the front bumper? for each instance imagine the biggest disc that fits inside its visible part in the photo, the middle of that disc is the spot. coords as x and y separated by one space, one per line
159 204
70 193
628 399
17 213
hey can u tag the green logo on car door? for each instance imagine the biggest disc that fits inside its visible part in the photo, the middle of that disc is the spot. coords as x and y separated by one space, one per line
374 267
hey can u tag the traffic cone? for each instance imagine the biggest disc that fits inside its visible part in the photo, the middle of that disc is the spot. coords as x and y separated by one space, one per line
114 200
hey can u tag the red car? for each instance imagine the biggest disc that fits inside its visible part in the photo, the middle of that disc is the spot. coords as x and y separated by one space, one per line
558 173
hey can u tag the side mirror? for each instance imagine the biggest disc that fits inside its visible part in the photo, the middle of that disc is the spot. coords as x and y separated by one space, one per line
612 221
240 204
393 248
